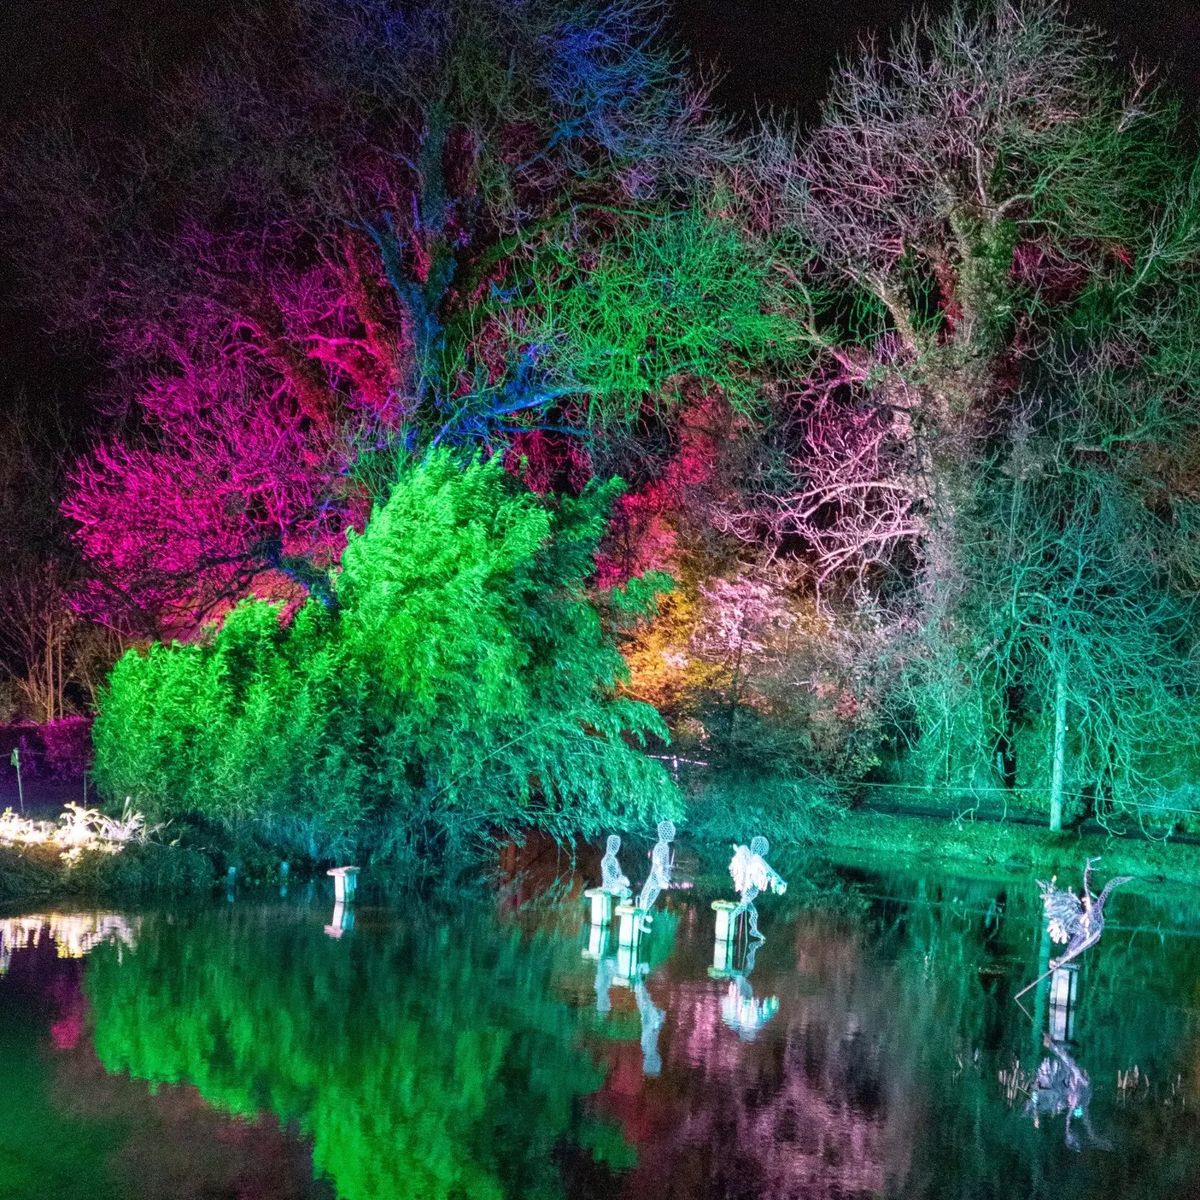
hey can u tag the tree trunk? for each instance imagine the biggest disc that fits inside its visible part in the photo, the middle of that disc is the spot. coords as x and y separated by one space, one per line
1060 749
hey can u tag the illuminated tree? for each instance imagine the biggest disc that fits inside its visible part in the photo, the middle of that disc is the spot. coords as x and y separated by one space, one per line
53 657
459 685
300 271
632 312
1006 214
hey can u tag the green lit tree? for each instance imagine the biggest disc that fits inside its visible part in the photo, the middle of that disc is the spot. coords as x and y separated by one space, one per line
630 312
460 683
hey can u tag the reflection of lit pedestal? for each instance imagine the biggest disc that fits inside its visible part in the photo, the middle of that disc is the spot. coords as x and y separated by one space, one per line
1064 987
342 920
602 905
724 936
627 966
345 883
597 942
629 924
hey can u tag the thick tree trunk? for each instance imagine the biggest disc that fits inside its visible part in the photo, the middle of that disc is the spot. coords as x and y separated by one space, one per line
1058 767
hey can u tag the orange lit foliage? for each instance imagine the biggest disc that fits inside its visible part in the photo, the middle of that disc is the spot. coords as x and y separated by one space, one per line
794 697
663 671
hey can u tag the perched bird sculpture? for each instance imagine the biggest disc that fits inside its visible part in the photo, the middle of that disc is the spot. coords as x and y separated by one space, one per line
1076 921
753 875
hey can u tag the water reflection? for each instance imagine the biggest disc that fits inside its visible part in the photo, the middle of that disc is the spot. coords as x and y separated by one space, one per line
741 1010
426 1057
73 934
506 1052
1062 1088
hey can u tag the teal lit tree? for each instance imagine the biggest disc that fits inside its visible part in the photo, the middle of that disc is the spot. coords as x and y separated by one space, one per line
1000 419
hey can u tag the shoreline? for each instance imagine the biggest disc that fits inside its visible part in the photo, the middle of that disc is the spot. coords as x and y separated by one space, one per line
868 838
1005 848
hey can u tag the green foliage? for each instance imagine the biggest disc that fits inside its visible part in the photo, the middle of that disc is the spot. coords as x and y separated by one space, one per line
38 872
734 804
630 313
463 686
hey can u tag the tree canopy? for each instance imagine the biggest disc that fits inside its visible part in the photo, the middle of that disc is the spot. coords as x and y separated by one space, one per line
460 683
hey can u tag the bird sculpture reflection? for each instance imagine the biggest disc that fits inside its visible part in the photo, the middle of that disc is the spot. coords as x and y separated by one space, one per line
1076 921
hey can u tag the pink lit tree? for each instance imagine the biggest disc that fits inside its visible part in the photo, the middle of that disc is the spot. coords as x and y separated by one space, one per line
302 272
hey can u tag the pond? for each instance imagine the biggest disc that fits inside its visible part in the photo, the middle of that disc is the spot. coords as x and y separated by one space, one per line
496 1048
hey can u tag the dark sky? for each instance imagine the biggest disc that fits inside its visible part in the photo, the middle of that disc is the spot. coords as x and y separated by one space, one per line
775 53
780 52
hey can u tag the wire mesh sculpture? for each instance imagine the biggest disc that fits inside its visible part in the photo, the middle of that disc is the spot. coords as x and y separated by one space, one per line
753 875
1061 1088
660 868
1074 921
612 879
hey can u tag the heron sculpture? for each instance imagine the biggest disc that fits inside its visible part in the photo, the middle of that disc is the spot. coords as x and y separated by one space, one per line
1074 921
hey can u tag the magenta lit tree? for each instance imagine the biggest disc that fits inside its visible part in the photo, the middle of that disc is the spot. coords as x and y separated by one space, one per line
302 268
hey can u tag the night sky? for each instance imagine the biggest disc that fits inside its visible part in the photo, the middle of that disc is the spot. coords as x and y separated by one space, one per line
769 53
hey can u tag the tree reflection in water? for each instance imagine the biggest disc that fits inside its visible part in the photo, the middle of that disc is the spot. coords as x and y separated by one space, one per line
884 1072
470 1052
428 1058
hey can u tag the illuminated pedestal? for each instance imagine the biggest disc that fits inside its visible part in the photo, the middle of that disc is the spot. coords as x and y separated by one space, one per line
597 942
1064 988
602 905
627 966
723 938
345 883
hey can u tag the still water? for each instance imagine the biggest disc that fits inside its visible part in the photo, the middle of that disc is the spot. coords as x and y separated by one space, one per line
495 1049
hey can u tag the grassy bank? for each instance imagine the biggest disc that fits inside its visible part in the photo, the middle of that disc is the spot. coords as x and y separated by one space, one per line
39 872
885 839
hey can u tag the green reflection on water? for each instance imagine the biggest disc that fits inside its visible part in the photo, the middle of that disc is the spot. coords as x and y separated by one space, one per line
956 951
423 1058
456 1053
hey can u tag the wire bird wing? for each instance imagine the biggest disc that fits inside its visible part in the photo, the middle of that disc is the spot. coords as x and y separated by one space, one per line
1063 911
765 877
741 867
775 881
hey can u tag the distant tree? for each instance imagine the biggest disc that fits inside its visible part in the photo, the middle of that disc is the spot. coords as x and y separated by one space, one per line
1085 570
50 656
